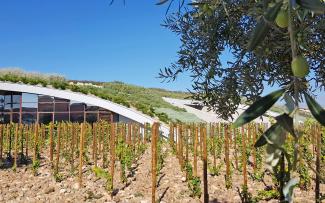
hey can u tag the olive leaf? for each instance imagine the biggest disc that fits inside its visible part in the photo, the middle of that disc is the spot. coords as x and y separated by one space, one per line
313 5
289 103
196 3
161 2
272 156
262 27
288 189
258 108
272 134
316 110
286 122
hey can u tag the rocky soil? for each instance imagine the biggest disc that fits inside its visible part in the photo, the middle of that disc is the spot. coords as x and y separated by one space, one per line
23 186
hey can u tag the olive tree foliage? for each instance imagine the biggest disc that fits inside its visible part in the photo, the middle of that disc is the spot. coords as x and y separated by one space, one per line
210 29
273 42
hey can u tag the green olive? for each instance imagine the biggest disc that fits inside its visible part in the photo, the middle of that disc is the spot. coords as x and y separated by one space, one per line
300 67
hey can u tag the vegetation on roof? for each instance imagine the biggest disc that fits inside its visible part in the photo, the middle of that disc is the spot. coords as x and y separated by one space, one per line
177 116
146 100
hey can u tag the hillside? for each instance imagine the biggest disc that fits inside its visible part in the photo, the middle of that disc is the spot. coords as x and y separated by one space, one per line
147 100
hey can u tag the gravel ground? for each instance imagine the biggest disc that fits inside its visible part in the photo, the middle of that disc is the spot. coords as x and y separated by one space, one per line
23 186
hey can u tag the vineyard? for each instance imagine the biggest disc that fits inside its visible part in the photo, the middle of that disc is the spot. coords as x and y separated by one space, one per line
117 162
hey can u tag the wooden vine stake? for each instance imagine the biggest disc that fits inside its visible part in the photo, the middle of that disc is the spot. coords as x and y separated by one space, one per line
171 135
201 142
212 137
8 139
181 159
235 148
196 135
313 140
42 136
51 143
35 143
176 140
144 133
27 138
94 155
244 156
99 137
81 145
16 147
112 151
129 137
122 169
134 137
62 146
154 138
1 142
103 147
56 169
318 155
72 146
205 166
65 140
254 149
74 138
187 135
227 156
21 135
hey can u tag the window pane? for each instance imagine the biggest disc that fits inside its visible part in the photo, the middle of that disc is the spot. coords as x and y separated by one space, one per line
59 107
2 117
91 117
8 99
106 116
61 117
7 108
45 118
45 107
29 98
102 109
45 98
29 107
2 103
16 107
77 107
56 99
115 117
15 117
6 118
76 117
16 98
91 108
29 118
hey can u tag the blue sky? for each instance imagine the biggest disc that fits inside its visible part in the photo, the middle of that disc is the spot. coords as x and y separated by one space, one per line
89 39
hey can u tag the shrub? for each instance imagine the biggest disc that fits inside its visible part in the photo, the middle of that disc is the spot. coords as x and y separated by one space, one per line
57 84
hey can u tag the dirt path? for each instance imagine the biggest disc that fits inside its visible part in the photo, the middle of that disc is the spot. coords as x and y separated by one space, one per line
138 188
172 186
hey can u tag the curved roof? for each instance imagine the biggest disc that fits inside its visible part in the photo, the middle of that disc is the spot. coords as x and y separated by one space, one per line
89 99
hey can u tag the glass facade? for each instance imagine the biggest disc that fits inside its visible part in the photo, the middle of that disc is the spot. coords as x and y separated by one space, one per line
28 108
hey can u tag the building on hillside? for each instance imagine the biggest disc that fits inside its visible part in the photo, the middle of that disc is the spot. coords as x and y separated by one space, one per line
202 112
21 107
21 103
